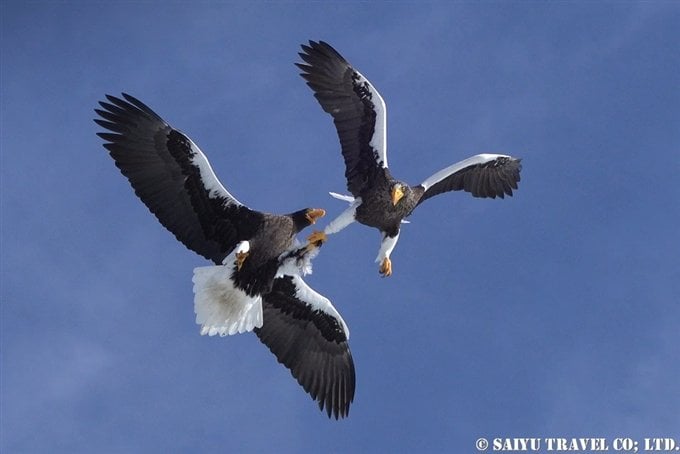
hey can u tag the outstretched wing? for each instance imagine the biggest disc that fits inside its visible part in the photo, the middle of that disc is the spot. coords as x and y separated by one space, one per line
308 336
482 175
358 111
173 178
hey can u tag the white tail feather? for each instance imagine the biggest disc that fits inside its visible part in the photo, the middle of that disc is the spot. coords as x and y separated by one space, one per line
220 307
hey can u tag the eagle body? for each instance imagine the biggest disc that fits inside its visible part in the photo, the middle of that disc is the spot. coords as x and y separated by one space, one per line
274 235
377 209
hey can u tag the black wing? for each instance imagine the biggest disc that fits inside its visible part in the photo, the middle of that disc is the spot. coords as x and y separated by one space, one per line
308 336
357 108
173 178
483 175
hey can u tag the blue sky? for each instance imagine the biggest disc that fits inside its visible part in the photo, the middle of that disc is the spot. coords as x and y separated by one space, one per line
552 313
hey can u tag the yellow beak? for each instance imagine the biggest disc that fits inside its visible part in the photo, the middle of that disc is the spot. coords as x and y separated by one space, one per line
314 214
397 194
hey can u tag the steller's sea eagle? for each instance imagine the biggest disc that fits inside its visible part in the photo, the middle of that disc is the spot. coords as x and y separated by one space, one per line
360 116
257 283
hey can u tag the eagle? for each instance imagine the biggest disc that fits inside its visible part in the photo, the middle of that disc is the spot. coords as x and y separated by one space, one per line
378 199
256 282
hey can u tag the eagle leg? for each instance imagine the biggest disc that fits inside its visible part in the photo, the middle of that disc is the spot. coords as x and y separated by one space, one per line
240 258
317 237
386 267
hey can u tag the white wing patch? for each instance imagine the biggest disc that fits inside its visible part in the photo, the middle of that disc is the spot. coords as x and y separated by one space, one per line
208 177
317 301
344 219
471 161
343 197
295 268
220 307
379 139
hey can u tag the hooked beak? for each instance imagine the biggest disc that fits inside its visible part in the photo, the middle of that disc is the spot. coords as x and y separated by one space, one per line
397 193
315 213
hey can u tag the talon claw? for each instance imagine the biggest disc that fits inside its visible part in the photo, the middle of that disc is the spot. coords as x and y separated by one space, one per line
240 258
386 267
317 238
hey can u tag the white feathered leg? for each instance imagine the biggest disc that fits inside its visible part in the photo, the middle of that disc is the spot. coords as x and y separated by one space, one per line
386 246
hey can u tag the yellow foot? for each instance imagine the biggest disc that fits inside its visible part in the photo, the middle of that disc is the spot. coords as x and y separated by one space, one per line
386 267
240 258
317 238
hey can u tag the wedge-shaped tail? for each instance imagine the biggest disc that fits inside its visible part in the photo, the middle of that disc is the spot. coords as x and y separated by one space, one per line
220 307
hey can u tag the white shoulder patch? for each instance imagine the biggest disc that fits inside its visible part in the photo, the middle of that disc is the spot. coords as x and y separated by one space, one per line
317 301
450 170
208 177
344 219
379 139
343 197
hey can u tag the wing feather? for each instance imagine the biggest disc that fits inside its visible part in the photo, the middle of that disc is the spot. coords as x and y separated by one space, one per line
483 175
308 336
173 178
358 111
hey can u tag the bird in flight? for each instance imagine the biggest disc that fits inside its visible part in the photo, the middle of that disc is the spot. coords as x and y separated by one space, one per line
257 282
378 199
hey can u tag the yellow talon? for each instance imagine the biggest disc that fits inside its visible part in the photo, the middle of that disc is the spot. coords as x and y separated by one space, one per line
317 238
386 267
240 258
